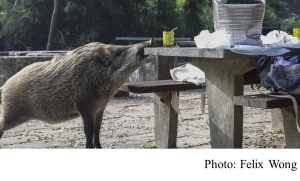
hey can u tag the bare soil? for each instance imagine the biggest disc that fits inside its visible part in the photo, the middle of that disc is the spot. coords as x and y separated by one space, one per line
129 123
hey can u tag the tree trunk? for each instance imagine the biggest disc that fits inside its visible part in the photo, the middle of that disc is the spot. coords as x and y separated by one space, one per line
53 23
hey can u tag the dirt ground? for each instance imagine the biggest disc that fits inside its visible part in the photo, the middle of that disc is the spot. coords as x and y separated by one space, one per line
129 123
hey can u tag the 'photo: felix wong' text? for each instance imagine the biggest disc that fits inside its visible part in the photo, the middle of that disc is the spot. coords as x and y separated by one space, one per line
250 164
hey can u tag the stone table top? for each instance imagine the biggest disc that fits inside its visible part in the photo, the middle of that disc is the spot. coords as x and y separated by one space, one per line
203 53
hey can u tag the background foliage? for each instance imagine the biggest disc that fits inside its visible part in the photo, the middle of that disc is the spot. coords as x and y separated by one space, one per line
25 23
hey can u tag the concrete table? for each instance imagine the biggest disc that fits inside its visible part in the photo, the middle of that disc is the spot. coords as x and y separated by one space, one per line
224 72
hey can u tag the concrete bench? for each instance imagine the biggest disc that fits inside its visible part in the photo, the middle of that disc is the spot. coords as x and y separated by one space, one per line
165 117
283 112
170 85
158 86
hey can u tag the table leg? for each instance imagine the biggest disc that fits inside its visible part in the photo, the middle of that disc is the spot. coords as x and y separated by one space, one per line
165 117
292 136
277 119
224 80
166 121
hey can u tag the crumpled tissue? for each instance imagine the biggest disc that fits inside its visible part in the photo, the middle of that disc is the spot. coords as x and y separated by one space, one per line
217 39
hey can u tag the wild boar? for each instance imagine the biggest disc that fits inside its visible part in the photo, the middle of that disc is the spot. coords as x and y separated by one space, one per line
79 83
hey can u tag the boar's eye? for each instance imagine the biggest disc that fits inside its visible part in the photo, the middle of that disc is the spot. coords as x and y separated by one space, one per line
102 59
105 61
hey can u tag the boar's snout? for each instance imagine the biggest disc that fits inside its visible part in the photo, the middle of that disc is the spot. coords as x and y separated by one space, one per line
153 42
150 43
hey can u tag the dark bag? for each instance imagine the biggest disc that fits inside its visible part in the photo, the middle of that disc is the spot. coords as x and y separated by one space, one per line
281 75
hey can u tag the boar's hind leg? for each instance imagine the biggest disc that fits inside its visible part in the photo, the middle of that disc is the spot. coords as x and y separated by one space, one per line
13 119
1 133
1 129
97 127
88 125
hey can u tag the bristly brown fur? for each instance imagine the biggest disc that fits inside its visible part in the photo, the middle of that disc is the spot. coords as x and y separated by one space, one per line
79 83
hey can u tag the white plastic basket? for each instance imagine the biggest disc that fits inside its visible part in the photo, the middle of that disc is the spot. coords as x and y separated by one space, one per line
242 21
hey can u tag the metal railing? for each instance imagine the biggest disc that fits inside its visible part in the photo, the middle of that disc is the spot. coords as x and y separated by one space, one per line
148 38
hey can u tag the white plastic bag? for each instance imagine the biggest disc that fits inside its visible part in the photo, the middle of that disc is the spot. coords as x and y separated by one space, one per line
275 44
188 73
280 39
259 50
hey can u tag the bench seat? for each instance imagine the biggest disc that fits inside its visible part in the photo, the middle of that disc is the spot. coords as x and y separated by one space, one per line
159 86
282 113
169 85
263 101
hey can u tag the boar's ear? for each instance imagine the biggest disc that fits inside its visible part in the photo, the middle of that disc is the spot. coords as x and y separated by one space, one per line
103 60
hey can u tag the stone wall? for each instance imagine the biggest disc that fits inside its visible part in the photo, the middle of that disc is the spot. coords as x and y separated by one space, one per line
10 65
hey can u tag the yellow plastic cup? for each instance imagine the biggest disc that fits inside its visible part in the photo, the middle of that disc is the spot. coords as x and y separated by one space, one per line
296 32
168 38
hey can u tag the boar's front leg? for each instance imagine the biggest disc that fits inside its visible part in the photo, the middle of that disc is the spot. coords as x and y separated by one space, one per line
97 127
92 128
88 125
